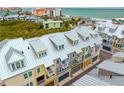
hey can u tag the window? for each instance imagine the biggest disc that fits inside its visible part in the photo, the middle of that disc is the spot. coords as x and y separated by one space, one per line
13 66
39 55
59 47
87 56
25 75
87 38
54 24
22 63
75 42
61 24
38 70
42 54
29 84
73 55
46 26
30 74
57 61
45 53
59 69
62 46
104 41
18 65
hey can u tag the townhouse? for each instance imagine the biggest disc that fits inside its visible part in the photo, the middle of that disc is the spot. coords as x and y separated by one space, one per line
52 59
113 36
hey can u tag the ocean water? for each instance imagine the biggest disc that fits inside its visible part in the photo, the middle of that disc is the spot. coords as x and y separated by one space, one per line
104 13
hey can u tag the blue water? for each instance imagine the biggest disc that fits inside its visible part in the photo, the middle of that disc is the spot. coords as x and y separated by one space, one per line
104 13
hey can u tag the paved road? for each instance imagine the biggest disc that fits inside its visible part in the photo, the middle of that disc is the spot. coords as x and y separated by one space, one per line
103 56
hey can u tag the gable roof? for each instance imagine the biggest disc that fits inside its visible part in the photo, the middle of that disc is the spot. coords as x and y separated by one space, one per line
83 32
13 55
37 45
56 40
71 36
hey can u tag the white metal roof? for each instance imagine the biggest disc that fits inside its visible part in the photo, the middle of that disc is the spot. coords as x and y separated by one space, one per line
71 36
56 40
13 55
83 32
45 22
12 16
117 32
118 54
37 45
88 80
111 66
32 61
2 43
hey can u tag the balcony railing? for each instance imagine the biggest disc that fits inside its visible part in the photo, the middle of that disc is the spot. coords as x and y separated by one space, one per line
41 82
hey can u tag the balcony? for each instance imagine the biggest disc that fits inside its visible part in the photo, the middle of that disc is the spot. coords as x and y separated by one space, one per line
88 56
41 83
40 80
74 62
50 71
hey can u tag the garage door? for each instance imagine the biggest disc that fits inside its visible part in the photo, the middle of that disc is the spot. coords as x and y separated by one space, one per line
63 76
106 48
